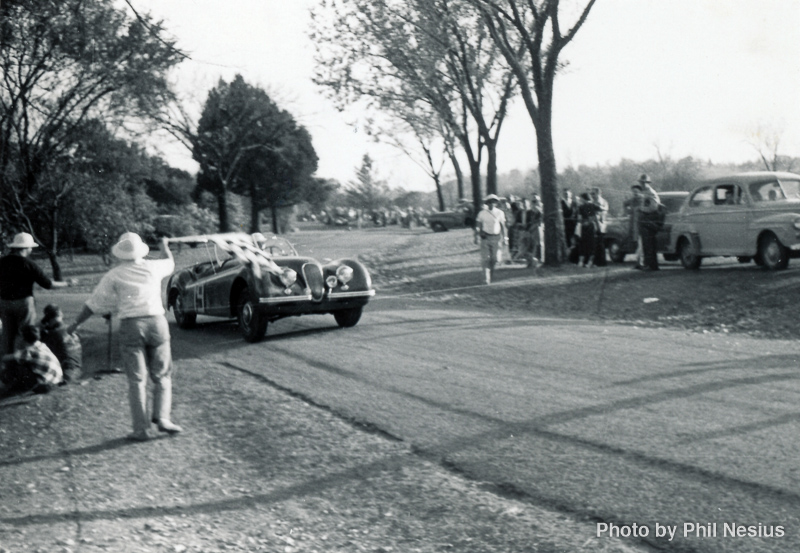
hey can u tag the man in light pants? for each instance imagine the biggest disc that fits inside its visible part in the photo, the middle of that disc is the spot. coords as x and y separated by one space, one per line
132 290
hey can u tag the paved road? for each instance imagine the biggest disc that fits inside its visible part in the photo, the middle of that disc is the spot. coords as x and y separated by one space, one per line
620 424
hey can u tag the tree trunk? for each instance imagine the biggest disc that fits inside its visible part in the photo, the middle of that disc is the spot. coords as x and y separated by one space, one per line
491 167
255 214
222 211
439 194
53 257
275 226
554 249
477 199
459 175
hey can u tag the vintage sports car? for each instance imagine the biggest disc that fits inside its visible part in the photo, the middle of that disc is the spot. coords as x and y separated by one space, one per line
257 280
751 216
619 241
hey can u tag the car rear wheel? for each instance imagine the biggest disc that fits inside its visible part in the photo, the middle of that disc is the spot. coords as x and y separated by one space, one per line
252 323
438 227
689 258
348 317
185 319
615 251
774 255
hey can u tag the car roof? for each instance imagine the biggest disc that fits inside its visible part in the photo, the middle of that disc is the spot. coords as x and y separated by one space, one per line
752 176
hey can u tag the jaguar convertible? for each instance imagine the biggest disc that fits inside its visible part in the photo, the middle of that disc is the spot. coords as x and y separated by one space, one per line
257 280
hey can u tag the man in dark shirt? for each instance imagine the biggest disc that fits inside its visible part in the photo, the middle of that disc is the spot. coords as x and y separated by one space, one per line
17 277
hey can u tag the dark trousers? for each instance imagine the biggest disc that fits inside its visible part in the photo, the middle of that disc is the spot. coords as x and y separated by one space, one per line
600 249
19 378
649 246
15 314
586 244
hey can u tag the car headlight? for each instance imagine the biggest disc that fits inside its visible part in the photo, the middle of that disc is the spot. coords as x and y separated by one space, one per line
332 281
344 274
796 224
288 277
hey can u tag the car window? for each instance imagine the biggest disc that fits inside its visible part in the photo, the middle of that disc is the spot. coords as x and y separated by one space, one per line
791 189
769 191
727 194
703 197
673 204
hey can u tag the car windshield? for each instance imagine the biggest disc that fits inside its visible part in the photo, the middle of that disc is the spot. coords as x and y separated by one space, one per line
774 191
791 189
276 246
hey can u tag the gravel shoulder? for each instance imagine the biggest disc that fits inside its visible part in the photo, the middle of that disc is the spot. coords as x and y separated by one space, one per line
261 469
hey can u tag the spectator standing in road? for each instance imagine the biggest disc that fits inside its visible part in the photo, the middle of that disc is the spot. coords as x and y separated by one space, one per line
17 277
586 229
569 212
601 211
632 208
132 290
491 227
32 368
648 223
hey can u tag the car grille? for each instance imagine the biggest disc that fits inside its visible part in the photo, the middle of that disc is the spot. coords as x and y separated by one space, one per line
314 281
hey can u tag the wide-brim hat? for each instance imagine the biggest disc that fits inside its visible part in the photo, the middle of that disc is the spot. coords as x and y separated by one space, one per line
491 198
23 240
130 247
644 178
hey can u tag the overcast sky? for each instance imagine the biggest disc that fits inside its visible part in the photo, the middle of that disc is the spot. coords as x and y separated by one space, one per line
689 77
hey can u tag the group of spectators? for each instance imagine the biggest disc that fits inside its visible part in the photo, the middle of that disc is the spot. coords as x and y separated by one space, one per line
585 223
36 358
519 224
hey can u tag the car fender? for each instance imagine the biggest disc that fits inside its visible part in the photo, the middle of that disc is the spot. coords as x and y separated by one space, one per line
361 277
779 224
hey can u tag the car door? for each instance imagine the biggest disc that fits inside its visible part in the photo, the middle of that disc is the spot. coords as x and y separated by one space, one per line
727 221
698 214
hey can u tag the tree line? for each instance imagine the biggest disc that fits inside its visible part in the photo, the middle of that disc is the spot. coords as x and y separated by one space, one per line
84 82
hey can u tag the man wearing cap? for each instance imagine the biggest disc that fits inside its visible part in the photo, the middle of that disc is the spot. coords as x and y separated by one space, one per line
132 290
17 277
491 226
648 228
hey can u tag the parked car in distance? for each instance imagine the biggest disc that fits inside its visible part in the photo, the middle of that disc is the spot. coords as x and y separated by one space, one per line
462 216
258 280
750 216
619 241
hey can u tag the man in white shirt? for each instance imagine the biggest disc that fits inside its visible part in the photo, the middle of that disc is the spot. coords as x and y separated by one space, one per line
600 232
132 291
491 226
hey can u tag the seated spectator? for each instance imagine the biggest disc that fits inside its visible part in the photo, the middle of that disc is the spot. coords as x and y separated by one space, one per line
65 346
33 368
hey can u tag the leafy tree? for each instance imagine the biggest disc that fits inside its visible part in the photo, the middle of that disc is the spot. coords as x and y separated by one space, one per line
245 144
530 35
65 62
408 58
367 192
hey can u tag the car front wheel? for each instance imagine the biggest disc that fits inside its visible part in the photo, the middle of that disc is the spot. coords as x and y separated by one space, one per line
615 251
184 319
689 258
774 255
347 317
252 323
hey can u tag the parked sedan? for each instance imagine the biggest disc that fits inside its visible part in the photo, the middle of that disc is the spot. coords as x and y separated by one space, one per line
462 216
751 216
258 280
618 239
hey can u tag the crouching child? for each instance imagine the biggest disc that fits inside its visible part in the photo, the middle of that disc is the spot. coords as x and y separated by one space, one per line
33 368
65 346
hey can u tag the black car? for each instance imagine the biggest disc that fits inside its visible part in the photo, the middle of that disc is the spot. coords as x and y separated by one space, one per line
618 239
